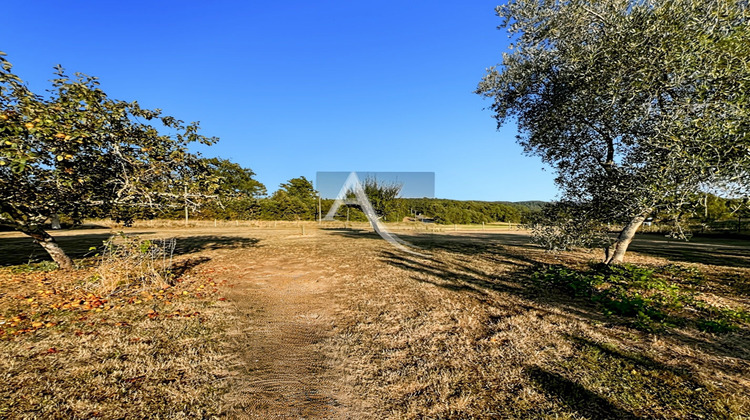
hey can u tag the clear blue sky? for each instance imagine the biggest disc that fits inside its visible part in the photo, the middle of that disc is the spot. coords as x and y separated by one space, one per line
295 87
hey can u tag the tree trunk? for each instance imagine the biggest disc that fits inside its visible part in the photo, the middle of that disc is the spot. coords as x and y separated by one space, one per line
55 222
50 245
615 254
739 224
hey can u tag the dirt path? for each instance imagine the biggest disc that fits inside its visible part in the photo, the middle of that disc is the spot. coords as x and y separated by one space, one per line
283 299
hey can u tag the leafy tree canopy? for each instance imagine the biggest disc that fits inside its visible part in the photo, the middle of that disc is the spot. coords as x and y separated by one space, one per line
233 180
76 149
638 104
294 200
299 187
382 195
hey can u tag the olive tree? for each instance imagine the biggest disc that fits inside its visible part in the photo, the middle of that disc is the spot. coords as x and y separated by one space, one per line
639 105
75 149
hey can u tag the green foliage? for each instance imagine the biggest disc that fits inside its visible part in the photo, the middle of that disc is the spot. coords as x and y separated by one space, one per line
682 274
240 208
79 153
637 105
296 199
382 196
229 193
126 214
721 320
464 212
233 181
651 297
565 225
42 266
711 209
300 188
78 149
283 206
562 278
450 212
634 380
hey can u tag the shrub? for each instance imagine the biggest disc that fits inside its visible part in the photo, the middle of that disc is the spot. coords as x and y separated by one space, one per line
132 261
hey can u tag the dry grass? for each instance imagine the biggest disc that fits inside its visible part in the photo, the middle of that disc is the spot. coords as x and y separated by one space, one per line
310 225
132 261
464 333
69 350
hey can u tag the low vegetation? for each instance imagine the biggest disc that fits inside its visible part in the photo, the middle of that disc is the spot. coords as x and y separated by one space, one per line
82 344
492 328
483 325
653 298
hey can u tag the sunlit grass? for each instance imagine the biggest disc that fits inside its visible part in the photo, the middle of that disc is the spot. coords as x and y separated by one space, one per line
482 328
71 349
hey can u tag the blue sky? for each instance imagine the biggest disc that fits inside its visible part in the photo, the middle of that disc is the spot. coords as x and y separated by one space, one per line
412 184
293 88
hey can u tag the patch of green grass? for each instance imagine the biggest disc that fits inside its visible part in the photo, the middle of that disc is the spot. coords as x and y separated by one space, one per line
683 274
604 381
653 298
572 282
721 320
30 267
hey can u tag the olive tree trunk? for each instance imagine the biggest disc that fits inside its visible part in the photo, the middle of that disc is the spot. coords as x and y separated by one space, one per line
49 244
615 254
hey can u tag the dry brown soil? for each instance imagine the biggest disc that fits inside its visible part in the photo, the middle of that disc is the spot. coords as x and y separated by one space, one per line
283 297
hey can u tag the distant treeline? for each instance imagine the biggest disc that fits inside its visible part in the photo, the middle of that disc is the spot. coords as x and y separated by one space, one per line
235 194
430 210
238 196
242 199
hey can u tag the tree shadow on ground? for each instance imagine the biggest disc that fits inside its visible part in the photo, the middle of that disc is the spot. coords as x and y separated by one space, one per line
734 252
464 264
190 244
710 251
455 277
464 243
460 276
586 403
179 268
23 250
601 362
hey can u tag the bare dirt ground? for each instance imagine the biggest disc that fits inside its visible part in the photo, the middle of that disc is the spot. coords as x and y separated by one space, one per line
283 295
335 323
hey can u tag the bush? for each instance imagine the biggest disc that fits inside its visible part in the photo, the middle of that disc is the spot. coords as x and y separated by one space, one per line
131 261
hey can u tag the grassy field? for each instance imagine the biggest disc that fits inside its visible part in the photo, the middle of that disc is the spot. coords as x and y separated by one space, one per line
306 321
72 349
